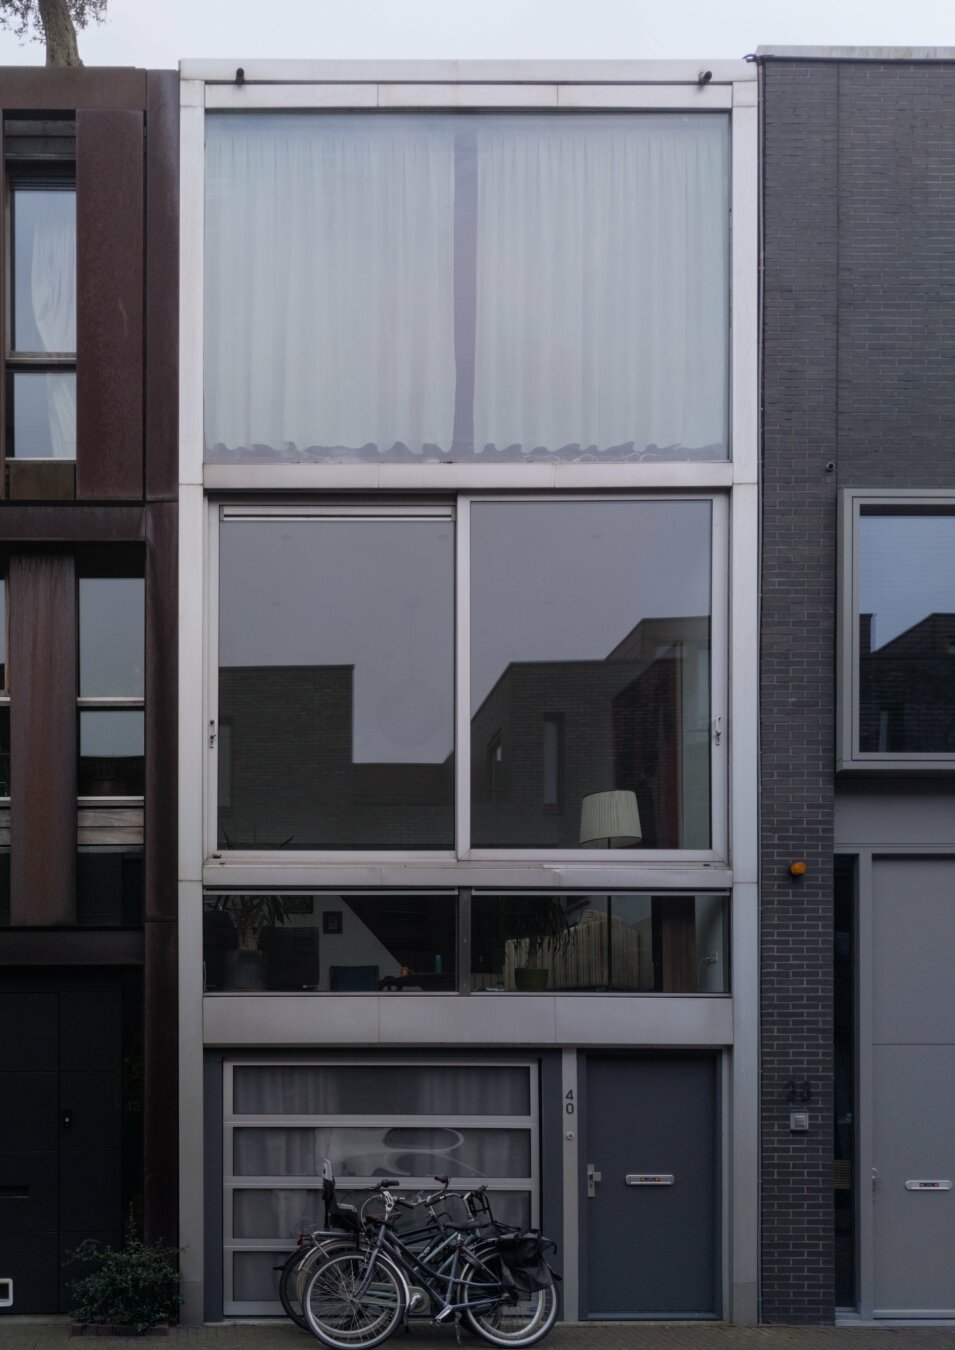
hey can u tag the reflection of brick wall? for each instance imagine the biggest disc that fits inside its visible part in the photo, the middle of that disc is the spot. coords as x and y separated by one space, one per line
623 724
907 690
292 776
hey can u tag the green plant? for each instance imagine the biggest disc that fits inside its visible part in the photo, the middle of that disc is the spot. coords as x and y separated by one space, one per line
134 1286
537 921
252 913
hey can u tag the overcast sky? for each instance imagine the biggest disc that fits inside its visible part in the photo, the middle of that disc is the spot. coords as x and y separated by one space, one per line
158 33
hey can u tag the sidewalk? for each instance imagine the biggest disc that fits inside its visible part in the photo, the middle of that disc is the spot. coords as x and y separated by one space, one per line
21 1334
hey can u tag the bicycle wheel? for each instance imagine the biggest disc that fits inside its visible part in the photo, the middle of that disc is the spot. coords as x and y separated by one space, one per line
298 1270
342 1317
518 1320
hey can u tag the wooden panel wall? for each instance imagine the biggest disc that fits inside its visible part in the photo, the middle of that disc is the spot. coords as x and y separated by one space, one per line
109 304
42 666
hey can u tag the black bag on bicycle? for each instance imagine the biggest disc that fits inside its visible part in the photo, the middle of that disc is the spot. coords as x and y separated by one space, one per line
523 1266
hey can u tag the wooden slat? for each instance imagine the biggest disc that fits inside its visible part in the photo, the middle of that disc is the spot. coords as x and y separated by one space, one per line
162 284
79 947
161 1104
109 305
69 523
42 667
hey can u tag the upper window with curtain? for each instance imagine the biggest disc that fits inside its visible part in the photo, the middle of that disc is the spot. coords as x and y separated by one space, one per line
41 362
466 287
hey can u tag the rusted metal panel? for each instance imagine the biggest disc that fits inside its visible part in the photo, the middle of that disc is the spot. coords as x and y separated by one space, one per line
53 90
69 524
162 284
41 480
76 947
162 706
109 305
42 676
161 1095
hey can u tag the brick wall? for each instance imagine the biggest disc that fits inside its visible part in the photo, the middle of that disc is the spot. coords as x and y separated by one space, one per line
858 349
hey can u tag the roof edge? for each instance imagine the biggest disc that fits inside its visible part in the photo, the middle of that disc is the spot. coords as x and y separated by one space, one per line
770 53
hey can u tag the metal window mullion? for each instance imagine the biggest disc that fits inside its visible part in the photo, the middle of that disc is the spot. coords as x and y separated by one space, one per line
462 758
464 940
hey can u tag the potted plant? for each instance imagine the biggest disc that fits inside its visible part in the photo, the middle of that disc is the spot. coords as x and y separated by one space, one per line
538 924
250 913
127 1291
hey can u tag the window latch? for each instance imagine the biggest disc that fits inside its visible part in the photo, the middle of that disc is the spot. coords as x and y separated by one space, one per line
212 734
717 730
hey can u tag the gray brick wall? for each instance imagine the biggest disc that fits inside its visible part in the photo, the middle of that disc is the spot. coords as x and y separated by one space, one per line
858 353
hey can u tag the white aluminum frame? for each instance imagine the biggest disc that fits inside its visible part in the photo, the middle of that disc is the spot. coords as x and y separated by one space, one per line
593 85
462 852
849 757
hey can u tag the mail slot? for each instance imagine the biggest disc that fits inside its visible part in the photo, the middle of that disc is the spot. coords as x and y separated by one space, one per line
649 1179
928 1185
6 1292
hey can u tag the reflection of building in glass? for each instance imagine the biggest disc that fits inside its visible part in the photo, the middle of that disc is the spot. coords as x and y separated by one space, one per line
907 688
293 779
549 732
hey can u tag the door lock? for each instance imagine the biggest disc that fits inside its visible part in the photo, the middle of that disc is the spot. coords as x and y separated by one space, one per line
67 1118
593 1176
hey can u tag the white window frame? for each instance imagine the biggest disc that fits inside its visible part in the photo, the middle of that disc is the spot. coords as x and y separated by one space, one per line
849 758
462 850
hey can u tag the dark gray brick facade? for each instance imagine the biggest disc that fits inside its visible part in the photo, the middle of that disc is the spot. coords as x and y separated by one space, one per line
858 391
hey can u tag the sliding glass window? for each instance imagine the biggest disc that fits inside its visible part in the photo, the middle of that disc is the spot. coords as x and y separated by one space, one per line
336 682
483 288
584 632
590 674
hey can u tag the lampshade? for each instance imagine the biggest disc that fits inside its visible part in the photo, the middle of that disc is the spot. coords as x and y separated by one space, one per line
610 820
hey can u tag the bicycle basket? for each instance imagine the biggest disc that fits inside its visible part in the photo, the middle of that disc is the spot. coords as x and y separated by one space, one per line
523 1266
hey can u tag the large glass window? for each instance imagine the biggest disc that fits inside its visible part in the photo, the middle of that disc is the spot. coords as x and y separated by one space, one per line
336 683
898 686
590 674
41 366
588 650
486 287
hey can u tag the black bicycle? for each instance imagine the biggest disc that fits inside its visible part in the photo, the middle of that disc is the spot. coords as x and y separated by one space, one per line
496 1282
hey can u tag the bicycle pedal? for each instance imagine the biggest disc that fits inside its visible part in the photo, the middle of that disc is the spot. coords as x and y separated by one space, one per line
442 1316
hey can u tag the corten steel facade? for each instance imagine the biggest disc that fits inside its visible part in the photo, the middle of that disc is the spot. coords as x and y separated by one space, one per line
112 136
858 200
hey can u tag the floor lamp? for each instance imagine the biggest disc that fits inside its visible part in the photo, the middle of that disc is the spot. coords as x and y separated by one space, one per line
610 820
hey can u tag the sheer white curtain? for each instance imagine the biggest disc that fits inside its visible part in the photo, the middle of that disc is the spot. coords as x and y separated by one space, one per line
328 262
602 283
53 297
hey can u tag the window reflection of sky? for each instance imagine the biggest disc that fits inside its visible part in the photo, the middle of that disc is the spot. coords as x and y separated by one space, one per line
906 571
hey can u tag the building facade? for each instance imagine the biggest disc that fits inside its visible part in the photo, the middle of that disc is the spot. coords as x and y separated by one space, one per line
858 578
468 677
88 775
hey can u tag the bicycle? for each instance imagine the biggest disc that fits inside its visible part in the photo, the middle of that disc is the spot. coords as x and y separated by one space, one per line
359 1298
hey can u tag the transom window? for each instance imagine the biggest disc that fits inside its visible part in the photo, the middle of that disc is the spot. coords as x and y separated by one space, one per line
578 635
472 287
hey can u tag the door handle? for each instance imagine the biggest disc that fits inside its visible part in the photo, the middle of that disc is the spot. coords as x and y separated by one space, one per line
67 1117
593 1176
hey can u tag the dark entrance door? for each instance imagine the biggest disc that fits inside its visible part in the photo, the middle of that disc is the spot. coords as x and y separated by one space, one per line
60 1130
650 1202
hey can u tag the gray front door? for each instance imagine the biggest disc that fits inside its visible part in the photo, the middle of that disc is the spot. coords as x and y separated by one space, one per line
913 1087
650 1191
60 1132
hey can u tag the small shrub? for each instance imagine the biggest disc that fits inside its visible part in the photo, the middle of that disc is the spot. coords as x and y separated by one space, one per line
136 1286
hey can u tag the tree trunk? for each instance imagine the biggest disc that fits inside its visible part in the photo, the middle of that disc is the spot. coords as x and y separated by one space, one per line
61 48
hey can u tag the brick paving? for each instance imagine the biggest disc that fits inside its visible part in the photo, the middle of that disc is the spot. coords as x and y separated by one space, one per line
54 1334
